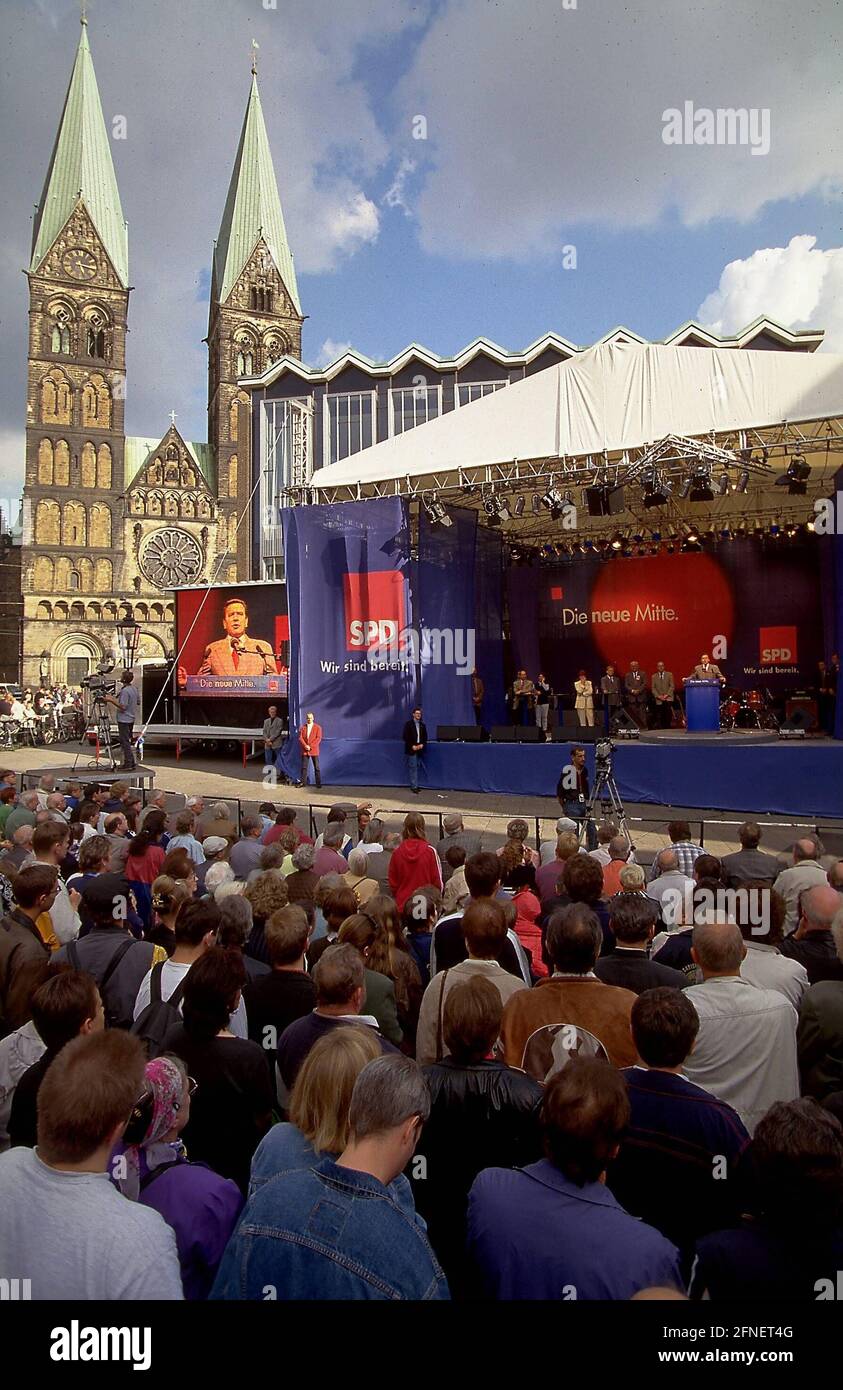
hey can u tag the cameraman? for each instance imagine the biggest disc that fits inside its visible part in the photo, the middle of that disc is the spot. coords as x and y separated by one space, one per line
572 792
126 705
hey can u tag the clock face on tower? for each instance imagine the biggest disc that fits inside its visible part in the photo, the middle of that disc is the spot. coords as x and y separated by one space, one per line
79 264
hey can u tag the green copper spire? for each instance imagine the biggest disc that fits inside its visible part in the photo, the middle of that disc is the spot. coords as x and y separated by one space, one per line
81 167
252 209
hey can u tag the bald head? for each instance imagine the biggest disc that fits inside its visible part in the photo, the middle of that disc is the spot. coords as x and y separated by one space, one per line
718 947
804 849
619 848
667 861
819 906
835 876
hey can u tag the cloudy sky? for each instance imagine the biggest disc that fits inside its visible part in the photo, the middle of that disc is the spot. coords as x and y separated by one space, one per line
542 125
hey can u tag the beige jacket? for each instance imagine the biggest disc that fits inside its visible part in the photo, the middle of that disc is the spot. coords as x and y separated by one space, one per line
433 1001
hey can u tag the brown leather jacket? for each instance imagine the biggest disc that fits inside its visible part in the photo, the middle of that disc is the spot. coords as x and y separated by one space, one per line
603 1009
23 953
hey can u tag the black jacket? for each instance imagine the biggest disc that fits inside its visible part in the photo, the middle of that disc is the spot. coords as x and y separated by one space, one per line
481 1116
635 971
566 795
409 735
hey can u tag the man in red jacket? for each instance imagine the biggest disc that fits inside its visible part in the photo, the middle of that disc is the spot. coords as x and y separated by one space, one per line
310 737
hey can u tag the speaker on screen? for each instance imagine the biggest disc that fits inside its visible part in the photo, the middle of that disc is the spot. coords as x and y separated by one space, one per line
529 733
471 733
503 733
447 733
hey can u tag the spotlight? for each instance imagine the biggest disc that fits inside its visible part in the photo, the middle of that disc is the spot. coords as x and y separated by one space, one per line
616 541
518 509
743 481
724 482
553 500
496 509
686 488
436 514
701 489
692 535
809 526
536 503
796 476
656 492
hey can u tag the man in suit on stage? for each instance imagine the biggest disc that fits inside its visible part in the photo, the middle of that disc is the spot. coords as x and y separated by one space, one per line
236 654
635 685
707 671
664 692
415 742
610 691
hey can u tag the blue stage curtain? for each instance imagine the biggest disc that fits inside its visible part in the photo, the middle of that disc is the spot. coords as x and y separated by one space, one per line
445 610
488 623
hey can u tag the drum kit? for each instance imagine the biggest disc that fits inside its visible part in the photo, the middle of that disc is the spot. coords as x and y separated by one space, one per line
747 709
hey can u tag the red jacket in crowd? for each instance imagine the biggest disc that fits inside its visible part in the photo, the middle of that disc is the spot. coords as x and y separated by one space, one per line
413 864
311 736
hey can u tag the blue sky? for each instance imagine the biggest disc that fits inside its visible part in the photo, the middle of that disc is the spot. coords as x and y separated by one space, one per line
544 129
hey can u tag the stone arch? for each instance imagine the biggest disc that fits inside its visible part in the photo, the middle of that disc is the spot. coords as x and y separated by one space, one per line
109 612
44 610
77 612
56 399
104 466
154 504
103 576
100 526
47 522
74 524
151 647
96 322
141 613
125 613
136 505
88 476
169 613
96 403
61 312
86 574
63 572
93 613
234 415
156 613
60 611
187 508
43 574
62 460
203 507
232 476
75 644
275 346
45 463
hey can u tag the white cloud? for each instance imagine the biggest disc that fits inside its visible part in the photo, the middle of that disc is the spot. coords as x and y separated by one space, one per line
541 118
798 285
394 195
330 351
12 470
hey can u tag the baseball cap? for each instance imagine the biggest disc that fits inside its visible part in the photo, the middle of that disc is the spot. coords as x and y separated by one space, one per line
100 892
214 844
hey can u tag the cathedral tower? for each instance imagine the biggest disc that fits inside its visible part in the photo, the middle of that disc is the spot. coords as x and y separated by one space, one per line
76 389
255 318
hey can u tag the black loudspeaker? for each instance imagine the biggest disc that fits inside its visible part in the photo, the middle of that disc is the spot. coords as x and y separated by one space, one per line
622 719
529 733
447 733
155 681
571 731
801 714
604 501
471 733
503 733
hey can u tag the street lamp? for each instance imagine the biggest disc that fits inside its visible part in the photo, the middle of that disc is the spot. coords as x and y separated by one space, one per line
128 636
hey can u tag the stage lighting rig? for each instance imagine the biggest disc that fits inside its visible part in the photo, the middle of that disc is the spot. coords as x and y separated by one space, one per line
724 483
436 513
743 481
616 542
656 491
553 501
796 477
518 509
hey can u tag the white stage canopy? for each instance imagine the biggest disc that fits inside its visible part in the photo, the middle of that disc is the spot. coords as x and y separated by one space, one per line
613 397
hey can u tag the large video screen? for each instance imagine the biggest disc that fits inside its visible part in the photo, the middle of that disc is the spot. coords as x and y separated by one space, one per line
236 641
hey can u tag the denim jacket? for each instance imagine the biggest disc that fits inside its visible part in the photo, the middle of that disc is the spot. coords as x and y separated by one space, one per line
328 1233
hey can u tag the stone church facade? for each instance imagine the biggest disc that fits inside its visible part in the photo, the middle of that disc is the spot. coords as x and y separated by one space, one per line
112 522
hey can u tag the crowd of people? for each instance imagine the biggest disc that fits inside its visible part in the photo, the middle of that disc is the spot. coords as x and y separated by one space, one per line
241 1062
44 715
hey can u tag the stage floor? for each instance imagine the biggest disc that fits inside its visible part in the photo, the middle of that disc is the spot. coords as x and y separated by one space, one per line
729 772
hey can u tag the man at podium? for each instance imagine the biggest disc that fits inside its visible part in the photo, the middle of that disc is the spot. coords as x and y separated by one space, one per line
707 671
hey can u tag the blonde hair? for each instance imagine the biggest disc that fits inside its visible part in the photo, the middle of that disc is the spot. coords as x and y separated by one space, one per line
168 894
321 1096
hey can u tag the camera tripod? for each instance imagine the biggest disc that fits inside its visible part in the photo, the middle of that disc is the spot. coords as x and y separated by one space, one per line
99 718
605 792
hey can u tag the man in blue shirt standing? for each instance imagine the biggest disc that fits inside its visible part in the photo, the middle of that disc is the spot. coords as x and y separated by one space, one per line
336 1230
553 1230
126 705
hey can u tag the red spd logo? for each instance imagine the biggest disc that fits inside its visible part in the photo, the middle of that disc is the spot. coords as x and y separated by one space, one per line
374 609
778 646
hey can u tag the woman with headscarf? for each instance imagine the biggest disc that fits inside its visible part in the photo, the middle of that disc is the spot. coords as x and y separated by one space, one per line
201 1207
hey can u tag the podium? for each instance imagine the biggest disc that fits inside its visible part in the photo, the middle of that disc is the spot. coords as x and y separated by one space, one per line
702 706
